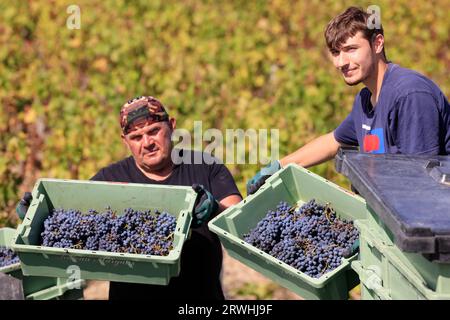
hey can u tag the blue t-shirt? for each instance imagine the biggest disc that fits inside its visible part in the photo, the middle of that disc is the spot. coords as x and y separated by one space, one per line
412 116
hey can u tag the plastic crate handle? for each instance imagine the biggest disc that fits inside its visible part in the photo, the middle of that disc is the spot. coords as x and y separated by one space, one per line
186 226
441 175
371 280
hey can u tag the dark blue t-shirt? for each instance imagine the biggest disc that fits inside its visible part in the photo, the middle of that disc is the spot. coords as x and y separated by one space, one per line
412 116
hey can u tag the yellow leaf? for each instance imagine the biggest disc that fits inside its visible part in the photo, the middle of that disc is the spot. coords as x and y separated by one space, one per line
101 64
75 42
259 81
30 116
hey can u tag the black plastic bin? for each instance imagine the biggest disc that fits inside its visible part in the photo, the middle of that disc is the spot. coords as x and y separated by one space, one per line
409 194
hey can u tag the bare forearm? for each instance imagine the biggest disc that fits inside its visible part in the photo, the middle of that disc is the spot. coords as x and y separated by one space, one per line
315 152
229 201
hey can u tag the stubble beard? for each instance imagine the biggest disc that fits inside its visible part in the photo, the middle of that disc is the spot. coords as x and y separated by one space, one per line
363 77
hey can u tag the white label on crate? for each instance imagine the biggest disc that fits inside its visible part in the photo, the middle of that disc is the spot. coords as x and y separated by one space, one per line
73 282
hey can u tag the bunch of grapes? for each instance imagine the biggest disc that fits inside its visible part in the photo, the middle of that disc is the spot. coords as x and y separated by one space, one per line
7 257
139 232
310 238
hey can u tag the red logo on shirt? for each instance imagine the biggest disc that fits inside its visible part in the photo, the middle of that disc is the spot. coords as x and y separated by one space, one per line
371 143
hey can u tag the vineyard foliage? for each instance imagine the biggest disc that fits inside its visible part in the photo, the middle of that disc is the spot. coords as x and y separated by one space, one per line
231 64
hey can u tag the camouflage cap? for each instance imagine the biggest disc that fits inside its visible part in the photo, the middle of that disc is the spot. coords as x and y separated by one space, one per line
141 111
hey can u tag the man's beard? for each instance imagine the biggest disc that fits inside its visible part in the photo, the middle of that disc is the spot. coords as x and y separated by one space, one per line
364 77
354 82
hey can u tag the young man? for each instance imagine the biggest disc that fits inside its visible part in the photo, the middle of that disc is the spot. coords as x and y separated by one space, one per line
398 111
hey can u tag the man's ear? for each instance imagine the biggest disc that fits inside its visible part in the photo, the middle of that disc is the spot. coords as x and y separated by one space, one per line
172 123
124 141
378 43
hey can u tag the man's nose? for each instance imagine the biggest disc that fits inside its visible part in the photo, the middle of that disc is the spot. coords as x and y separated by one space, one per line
341 60
148 140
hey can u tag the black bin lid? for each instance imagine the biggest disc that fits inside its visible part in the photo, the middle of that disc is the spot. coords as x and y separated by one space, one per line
410 194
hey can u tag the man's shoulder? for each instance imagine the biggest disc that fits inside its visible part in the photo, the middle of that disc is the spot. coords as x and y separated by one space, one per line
111 171
403 82
124 163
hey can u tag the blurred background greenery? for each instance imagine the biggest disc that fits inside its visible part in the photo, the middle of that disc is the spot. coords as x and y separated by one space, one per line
231 64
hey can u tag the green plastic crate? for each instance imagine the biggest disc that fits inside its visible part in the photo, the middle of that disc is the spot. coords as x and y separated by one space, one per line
387 273
6 237
370 294
293 184
39 288
101 265
63 290
383 232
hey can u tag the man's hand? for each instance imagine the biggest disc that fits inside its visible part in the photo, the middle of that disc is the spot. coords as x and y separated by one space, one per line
258 180
24 203
205 206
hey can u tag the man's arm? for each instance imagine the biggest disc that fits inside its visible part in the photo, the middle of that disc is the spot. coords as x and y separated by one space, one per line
223 193
315 152
229 201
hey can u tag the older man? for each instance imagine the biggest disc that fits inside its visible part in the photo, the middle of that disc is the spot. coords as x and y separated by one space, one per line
146 131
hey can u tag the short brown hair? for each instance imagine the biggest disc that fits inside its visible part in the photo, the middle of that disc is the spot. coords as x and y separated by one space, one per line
346 25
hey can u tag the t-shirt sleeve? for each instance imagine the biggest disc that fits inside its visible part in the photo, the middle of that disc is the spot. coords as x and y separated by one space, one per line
345 133
99 176
222 182
415 124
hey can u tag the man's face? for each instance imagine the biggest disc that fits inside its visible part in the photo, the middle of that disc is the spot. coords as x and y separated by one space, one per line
151 145
355 59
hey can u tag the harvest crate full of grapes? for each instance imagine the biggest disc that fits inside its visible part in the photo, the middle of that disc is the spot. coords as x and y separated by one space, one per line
297 230
108 231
